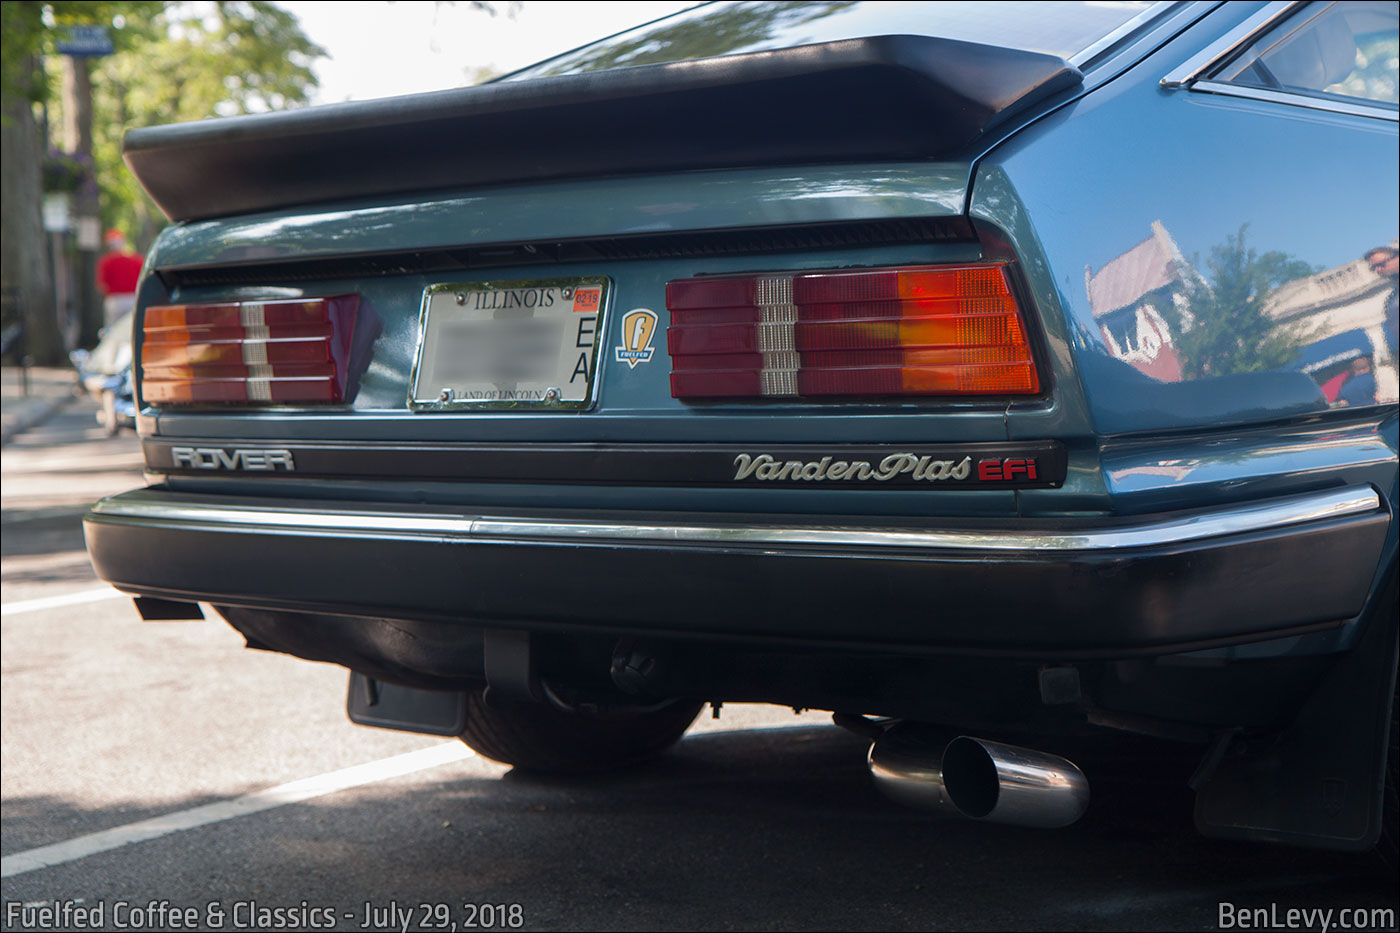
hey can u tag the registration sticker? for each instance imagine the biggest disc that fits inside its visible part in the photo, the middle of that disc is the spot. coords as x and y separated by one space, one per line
587 300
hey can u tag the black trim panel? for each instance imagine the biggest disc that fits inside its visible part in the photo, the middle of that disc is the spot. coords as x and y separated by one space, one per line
1015 465
681 244
871 99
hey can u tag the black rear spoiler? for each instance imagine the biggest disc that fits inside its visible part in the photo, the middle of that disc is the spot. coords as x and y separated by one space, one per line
886 98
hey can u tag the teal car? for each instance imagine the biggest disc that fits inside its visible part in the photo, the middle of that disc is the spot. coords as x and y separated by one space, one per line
986 374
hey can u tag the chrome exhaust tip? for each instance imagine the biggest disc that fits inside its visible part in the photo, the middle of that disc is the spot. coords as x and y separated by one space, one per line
979 779
908 768
1008 784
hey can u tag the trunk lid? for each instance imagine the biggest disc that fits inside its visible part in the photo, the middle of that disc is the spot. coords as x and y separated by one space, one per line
783 162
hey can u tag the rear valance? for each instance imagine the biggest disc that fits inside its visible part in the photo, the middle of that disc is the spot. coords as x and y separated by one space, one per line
872 99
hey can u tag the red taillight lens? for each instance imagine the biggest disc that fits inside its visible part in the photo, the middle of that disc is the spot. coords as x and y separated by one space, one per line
945 330
248 352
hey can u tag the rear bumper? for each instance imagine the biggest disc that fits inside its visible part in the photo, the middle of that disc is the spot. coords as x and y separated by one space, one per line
1102 588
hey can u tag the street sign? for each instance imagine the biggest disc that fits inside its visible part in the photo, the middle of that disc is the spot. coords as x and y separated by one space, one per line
58 212
85 42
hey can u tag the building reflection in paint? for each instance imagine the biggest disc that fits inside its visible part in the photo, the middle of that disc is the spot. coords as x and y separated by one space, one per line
1159 313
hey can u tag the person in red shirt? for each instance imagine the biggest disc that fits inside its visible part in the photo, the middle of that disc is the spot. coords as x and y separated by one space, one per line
118 271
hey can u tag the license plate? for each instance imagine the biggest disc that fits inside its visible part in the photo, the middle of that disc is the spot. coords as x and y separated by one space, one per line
529 344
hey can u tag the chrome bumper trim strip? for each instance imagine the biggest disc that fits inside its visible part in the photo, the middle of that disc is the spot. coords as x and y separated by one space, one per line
1264 515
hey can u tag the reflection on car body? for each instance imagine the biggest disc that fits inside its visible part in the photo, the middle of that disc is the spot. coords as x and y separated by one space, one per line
1023 370
1329 324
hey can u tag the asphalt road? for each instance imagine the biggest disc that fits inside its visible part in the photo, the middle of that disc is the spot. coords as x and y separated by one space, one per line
227 767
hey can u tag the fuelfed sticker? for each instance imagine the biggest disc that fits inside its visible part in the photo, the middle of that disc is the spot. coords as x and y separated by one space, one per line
638 327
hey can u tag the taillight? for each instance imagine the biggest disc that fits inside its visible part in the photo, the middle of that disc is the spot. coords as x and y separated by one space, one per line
250 352
930 330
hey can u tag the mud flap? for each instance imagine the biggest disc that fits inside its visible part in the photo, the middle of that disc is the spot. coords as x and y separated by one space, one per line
1320 782
388 706
166 610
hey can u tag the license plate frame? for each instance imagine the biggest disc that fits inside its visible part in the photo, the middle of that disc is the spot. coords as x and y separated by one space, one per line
533 307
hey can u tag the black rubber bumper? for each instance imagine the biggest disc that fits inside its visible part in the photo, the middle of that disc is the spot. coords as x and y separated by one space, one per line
1036 589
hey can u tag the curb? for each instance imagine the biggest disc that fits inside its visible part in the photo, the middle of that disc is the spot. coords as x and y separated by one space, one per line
34 415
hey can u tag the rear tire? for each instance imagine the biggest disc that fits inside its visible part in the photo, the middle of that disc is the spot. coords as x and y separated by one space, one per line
541 739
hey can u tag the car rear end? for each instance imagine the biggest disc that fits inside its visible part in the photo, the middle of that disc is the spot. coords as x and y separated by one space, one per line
742 378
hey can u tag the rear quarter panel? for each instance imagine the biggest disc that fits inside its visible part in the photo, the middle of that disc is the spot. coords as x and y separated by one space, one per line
1124 204
1124 201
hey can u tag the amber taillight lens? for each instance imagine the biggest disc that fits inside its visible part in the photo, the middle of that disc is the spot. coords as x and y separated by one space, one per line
928 330
248 352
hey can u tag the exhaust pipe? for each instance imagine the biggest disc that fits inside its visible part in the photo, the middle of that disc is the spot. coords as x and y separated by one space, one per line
979 779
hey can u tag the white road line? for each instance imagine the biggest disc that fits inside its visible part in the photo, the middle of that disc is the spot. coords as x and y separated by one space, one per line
54 602
293 792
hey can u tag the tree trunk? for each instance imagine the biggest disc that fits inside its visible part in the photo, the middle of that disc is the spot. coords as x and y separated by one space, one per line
77 106
77 132
24 265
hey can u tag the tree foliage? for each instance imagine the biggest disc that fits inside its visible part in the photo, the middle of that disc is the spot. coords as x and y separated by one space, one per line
1223 324
192 61
31 32
207 59
172 62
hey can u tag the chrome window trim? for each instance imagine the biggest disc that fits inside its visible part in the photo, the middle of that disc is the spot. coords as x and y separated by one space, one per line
1191 69
1329 104
1093 50
1188 73
1245 518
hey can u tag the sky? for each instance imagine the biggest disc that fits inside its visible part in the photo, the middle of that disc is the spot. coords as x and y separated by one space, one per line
382 49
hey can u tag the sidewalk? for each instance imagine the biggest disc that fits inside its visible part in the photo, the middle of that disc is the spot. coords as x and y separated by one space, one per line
50 388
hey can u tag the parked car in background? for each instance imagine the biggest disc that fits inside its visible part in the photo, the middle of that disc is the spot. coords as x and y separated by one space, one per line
984 373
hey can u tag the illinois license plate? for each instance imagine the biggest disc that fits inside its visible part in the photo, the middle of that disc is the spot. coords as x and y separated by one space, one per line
529 344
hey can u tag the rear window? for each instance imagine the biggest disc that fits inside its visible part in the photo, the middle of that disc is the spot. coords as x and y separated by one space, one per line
727 28
1345 49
